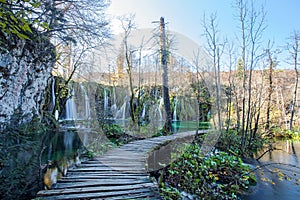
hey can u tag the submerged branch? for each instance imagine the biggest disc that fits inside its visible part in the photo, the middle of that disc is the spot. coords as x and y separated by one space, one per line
277 163
270 149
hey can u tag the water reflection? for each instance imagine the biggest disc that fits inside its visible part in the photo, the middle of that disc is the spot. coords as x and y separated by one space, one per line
279 176
69 146
63 150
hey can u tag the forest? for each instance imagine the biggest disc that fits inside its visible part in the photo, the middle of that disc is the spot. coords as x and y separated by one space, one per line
220 120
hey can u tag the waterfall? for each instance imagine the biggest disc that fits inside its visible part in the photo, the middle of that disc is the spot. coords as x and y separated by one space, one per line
69 109
87 107
114 110
56 115
105 102
175 109
121 114
53 98
115 96
158 107
87 102
85 139
71 113
161 102
144 111
53 94
114 107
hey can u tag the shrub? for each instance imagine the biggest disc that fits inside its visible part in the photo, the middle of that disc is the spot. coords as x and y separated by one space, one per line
219 176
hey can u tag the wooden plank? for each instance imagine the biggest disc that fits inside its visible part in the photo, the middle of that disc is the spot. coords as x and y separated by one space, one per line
118 157
142 196
94 189
95 183
94 179
137 197
123 158
129 194
105 174
108 169
119 160
113 164
119 152
93 176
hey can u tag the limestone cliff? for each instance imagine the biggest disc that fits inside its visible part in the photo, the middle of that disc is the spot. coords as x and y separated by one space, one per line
25 67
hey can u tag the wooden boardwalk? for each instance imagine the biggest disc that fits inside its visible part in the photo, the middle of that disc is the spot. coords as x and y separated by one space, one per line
121 173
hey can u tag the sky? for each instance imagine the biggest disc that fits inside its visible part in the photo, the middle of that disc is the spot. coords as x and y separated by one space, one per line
185 16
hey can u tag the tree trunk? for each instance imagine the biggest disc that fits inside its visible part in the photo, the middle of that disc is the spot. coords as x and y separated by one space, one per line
294 97
295 57
129 70
167 129
270 90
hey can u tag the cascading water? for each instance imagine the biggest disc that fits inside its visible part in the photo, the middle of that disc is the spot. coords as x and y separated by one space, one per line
160 107
53 99
71 113
114 95
156 112
121 114
53 94
114 107
105 103
175 121
56 115
144 111
87 103
114 110
175 109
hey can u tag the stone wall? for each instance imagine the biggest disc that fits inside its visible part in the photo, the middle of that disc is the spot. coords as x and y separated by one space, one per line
25 67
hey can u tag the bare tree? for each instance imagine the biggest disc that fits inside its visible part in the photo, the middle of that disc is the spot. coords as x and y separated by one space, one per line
215 50
294 49
231 85
251 27
127 23
75 27
272 63
76 20
242 9
199 89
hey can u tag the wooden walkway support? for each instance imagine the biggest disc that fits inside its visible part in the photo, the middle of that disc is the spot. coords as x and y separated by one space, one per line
121 173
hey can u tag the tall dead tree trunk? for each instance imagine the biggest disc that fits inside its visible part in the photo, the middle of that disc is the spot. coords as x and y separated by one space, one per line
167 129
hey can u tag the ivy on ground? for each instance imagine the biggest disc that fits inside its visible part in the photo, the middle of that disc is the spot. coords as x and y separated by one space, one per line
218 176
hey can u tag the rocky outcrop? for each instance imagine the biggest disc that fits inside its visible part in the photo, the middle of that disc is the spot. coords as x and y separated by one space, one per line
25 67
